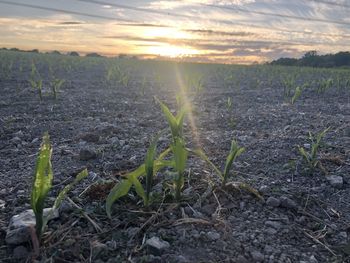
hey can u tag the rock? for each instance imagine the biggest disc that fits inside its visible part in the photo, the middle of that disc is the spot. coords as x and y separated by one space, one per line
87 154
335 180
257 256
312 259
272 201
288 203
20 226
2 204
90 137
270 231
156 245
208 209
20 252
241 259
343 237
213 235
274 224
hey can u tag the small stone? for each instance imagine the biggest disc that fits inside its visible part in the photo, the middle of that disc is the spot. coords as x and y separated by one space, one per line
241 259
335 180
273 224
257 256
156 245
20 226
20 252
87 154
312 259
272 201
213 235
270 231
208 209
287 202
90 137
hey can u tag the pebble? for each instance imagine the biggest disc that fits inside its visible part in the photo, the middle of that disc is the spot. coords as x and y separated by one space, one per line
87 154
335 180
272 201
287 202
257 256
273 224
20 226
157 245
213 235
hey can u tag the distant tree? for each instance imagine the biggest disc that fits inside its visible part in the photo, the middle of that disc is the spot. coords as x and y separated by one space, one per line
309 54
312 59
122 56
73 54
55 52
34 51
14 49
93 55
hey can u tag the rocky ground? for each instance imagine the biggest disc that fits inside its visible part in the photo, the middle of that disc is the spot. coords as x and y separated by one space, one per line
303 218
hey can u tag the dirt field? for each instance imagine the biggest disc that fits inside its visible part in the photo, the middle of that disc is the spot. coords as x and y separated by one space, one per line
101 125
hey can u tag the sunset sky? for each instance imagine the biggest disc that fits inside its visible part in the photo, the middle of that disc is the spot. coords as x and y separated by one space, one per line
227 31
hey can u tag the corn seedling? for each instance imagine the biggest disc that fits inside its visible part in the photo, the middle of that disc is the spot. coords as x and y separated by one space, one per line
297 94
38 86
180 160
56 85
42 184
229 103
149 169
235 151
311 157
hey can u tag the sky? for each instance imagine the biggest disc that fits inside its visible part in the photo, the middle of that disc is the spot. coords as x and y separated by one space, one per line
222 31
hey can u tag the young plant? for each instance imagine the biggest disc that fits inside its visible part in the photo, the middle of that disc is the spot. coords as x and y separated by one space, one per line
149 169
229 103
311 157
180 160
297 94
235 151
56 85
38 86
42 184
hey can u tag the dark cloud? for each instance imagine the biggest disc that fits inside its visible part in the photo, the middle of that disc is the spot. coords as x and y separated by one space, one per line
71 23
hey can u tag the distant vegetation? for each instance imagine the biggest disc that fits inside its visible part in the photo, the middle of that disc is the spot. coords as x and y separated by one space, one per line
312 59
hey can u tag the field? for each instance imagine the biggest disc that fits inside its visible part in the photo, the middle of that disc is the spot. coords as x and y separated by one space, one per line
103 113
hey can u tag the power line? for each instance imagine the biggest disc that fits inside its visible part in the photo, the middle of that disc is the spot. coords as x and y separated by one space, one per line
145 10
128 22
331 3
312 19
65 11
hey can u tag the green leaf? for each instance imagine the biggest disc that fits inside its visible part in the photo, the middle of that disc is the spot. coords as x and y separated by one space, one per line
234 153
204 157
68 188
119 190
42 182
149 167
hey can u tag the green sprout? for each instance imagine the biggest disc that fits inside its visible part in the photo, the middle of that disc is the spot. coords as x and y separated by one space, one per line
297 94
56 85
42 184
235 151
311 157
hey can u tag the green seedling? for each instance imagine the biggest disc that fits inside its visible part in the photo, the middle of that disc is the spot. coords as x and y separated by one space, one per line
297 94
180 160
149 169
38 86
56 85
229 103
123 187
235 151
311 157
42 184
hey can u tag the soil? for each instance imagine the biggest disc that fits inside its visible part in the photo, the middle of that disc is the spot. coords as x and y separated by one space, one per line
107 129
